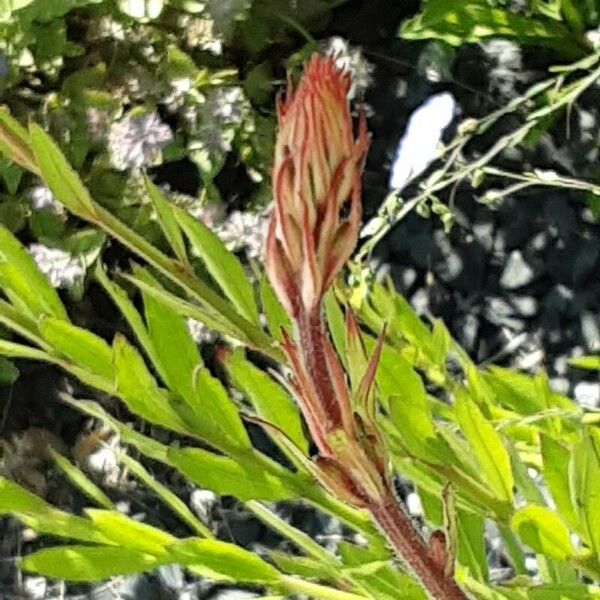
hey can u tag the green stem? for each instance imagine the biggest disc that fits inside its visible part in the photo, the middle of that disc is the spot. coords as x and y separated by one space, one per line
297 537
315 590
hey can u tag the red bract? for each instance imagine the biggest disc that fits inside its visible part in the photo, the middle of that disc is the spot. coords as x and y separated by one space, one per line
316 186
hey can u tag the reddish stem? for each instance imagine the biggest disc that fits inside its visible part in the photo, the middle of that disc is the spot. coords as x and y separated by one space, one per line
312 348
398 528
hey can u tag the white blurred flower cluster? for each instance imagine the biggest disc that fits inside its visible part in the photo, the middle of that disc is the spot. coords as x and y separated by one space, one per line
350 58
200 333
217 117
60 268
137 141
41 198
244 231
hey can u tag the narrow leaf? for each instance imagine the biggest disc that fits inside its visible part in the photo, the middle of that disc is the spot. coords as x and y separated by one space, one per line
80 346
245 478
138 389
88 563
128 533
224 267
167 220
227 559
166 495
486 445
543 531
23 283
81 480
63 181
270 400
14 142
277 318
175 353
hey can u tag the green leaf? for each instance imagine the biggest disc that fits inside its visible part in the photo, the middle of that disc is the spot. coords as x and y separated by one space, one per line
246 478
128 533
336 323
166 495
584 476
556 459
221 264
216 418
270 400
63 181
471 545
205 315
590 363
81 480
277 318
486 445
542 531
166 220
43 12
8 372
14 138
175 354
14 498
88 563
43 517
229 560
138 389
23 283
474 20
81 347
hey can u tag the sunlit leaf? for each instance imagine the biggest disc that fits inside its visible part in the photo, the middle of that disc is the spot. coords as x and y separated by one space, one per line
542 531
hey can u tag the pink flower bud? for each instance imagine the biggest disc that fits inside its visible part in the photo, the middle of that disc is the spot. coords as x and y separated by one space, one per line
316 187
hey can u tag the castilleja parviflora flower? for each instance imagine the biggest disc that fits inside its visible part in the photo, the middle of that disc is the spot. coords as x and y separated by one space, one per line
312 232
316 186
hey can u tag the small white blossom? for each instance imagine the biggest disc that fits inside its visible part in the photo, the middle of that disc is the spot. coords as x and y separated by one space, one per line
200 333
349 58
200 32
222 111
41 198
60 268
135 142
245 230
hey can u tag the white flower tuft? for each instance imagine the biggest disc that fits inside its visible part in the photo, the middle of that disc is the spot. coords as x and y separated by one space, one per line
135 142
60 268
350 58
245 230
41 198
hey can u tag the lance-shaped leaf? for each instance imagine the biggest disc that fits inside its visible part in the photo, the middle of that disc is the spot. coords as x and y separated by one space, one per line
246 478
270 400
14 142
167 220
63 181
139 390
83 348
228 560
543 531
486 445
88 563
23 283
223 266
